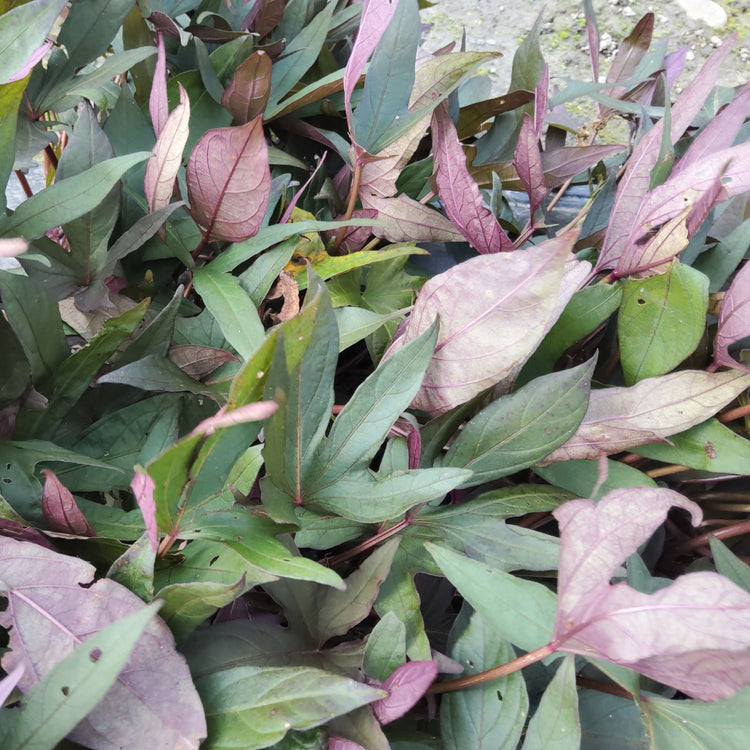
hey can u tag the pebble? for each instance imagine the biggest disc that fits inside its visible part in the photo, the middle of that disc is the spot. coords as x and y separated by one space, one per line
706 11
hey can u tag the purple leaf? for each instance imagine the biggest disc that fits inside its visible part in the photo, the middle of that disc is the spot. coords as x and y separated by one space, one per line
9 682
527 160
143 489
355 238
561 164
229 181
54 604
734 318
592 34
622 418
674 64
630 52
636 181
158 102
341 743
407 220
255 412
459 192
35 57
60 510
14 529
163 166
541 94
520 294
405 687
376 15
719 133
247 94
693 635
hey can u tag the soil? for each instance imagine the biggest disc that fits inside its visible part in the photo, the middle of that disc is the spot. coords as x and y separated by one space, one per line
500 25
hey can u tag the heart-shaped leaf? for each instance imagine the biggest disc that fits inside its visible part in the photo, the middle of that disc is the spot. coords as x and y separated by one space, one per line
229 181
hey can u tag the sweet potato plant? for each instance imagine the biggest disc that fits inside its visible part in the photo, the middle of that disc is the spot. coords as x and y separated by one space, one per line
323 426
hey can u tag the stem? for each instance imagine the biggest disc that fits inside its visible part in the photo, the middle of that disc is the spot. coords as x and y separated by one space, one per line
375 539
353 193
24 183
664 471
51 155
736 413
496 672
736 529
603 687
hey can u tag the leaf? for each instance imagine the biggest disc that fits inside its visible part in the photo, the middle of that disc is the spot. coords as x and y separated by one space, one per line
60 510
527 160
386 647
563 164
555 724
74 686
512 292
734 318
623 418
68 199
661 321
23 30
143 488
163 166
489 716
229 182
248 91
459 192
517 430
35 320
520 611
692 635
158 103
199 361
364 422
254 707
710 446
54 604
729 565
402 219
405 687
630 53
233 309
636 180
694 725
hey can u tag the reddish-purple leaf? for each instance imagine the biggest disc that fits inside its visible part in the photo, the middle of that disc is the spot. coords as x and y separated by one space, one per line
229 181
143 489
622 418
14 529
636 181
376 15
520 294
199 361
355 238
158 101
630 52
674 64
407 220
561 164
247 94
341 743
541 94
693 635
459 192
592 34
734 318
255 412
163 166
405 687
527 160
264 17
719 133
54 604
59 508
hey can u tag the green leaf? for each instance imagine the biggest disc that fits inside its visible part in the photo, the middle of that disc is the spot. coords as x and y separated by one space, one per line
260 277
581 476
22 31
35 320
10 99
528 62
720 261
233 309
301 382
74 376
356 323
490 716
68 199
588 308
522 611
694 725
74 686
253 707
361 497
15 372
299 54
386 647
661 321
710 446
517 430
610 721
363 424
389 81
134 569
729 565
555 725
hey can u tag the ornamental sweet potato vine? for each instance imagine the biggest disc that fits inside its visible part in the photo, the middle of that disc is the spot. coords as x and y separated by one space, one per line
328 384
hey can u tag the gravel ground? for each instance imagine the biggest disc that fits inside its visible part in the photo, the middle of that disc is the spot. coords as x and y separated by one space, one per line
499 25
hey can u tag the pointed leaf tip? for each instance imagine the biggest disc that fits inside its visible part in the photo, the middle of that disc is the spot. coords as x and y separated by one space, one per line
60 509
405 687
143 488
